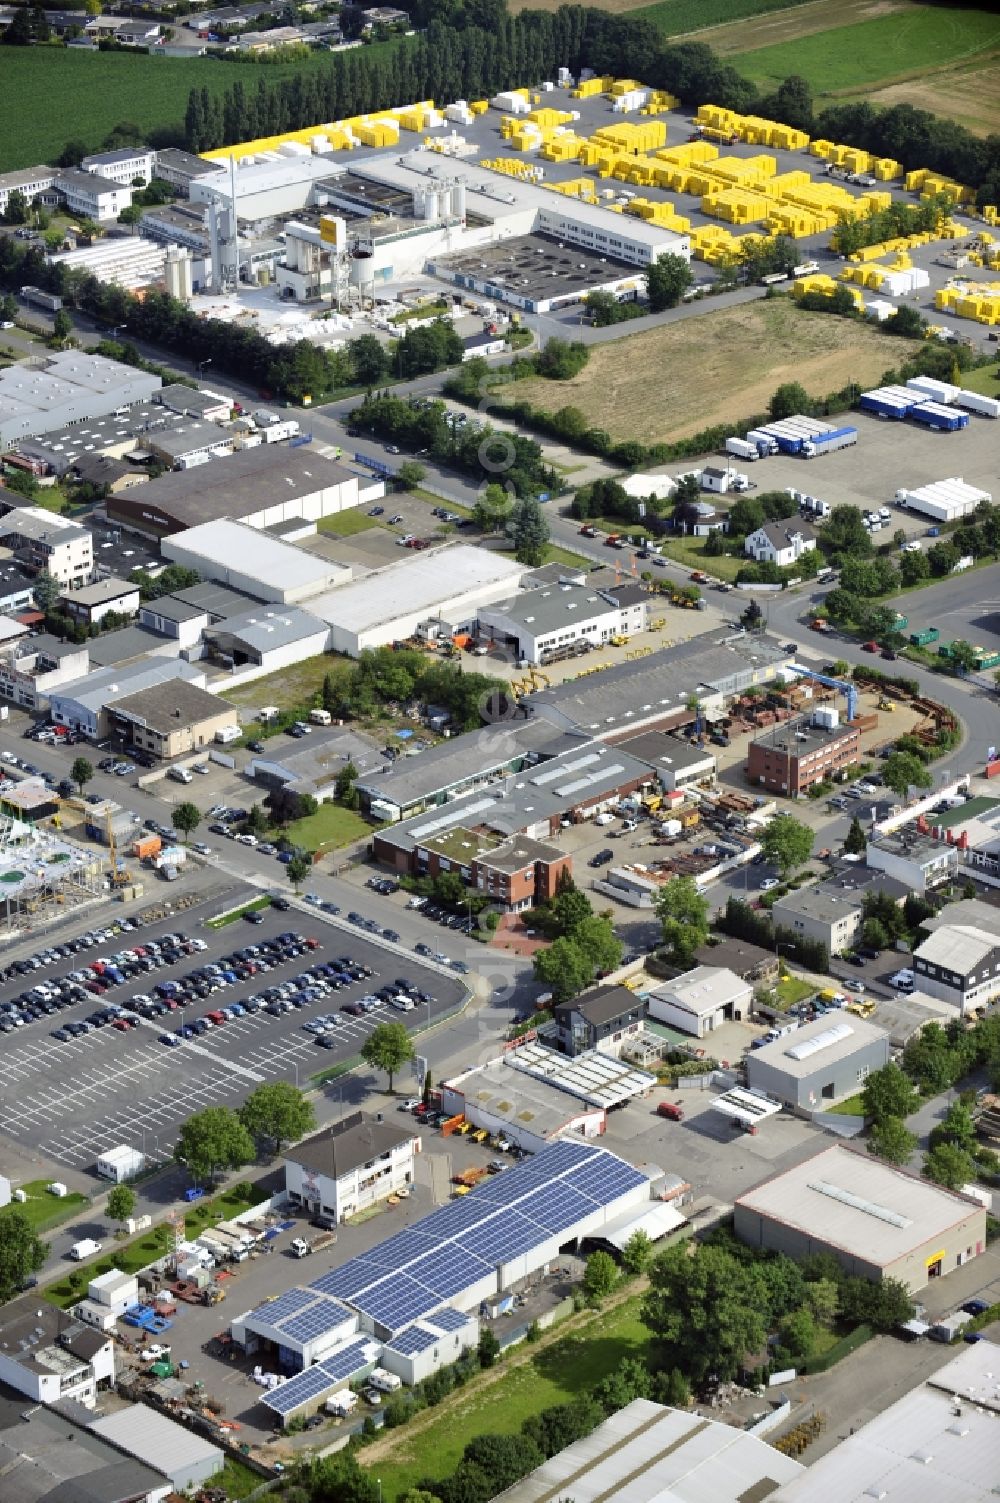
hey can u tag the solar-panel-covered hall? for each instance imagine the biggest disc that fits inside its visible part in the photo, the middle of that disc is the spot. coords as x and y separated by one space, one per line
412 1301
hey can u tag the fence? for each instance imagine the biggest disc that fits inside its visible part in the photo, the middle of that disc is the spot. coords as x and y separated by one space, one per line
838 1351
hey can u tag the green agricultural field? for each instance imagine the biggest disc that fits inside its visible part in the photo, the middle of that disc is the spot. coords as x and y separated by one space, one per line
675 17
51 95
873 53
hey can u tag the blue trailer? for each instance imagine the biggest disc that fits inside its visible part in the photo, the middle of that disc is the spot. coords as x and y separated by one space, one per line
935 415
790 443
883 406
829 443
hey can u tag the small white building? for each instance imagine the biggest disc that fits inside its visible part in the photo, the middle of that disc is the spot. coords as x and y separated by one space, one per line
120 1163
48 1355
541 624
124 166
91 195
913 858
350 1166
114 1289
702 1000
780 543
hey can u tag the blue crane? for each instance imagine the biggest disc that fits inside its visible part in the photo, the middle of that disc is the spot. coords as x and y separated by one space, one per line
849 692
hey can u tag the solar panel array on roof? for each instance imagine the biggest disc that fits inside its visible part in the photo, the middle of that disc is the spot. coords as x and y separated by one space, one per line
274 1311
339 1367
324 1314
414 1339
449 1319
410 1275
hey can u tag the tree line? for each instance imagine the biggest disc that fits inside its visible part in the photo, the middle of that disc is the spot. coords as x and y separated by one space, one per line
473 50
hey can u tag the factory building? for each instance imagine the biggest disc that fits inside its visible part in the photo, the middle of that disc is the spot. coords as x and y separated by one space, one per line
85 704
818 1065
67 386
960 964
259 487
545 624
172 717
507 1102
798 753
243 558
265 640
701 1000
877 1220
450 583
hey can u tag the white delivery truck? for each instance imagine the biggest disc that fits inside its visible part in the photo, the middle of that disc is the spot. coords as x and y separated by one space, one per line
87 1248
742 449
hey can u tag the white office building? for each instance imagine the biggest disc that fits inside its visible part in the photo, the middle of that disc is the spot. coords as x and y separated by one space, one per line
50 544
91 195
124 166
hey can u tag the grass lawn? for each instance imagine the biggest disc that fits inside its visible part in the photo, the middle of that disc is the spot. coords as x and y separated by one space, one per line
345 524
555 1375
42 1208
291 688
674 381
677 16
330 826
985 380
853 1106
792 989
236 1480
51 94
127 1257
222 1207
881 50
556 555
237 913
691 553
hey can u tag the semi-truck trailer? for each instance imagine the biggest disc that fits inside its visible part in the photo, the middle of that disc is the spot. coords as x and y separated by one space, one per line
829 443
742 449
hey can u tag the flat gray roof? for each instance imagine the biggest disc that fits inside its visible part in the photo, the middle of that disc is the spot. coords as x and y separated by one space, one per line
545 610
160 1441
415 584
661 750
264 630
122 646
410 779
831 899
824 1041
217 599
801 737
860 1205
167 706
102 592
242 483
110 684
226 544
661 684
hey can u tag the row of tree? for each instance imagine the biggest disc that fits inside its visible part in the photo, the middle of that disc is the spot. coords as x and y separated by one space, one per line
472 51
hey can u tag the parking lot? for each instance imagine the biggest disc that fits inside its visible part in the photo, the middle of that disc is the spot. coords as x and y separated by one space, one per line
72 1097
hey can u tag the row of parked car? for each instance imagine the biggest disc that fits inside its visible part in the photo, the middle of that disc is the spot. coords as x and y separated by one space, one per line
55 953
48 997
275 1001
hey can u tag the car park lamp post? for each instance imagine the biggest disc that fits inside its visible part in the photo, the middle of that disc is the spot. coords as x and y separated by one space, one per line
202 364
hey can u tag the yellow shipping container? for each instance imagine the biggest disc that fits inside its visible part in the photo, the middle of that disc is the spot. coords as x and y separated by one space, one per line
690 153
620 86
886 170
479 106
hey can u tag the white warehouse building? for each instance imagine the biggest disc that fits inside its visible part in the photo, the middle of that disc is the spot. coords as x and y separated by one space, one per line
249 560
449 583
943 500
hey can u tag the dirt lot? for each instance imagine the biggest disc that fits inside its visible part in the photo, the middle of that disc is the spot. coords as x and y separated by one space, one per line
715 369
967 94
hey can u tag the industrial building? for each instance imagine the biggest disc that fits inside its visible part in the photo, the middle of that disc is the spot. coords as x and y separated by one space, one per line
653 693
438 1272
186 1458
877 1220
818 1064
412 784
172 717
679 765
960 964
350 1166
47 1455
594 1075
520 874
543 624
936 1444
701 1000
240 556
85 704
450 583
671 1455
574 786
266 639
67 386
311 765
259 487
130 262
48 543
798 753
507 1102
48 1355
537 273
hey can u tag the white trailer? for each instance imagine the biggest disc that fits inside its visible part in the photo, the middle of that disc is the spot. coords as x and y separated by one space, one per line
943 500
742 449
383 1381
974 401
938 391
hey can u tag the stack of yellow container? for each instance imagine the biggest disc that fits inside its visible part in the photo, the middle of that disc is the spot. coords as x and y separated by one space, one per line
589 88
659 101
991 214
577 187
562 147
547 118
633 137
660 213
736 205
479 106
526 172
728 125
378 132
979 301
619 86
824 287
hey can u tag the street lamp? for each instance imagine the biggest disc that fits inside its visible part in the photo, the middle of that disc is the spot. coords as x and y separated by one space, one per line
202 364
379 1481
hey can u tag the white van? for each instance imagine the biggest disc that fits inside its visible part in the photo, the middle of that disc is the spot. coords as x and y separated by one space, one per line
320 717
180 775
88 1248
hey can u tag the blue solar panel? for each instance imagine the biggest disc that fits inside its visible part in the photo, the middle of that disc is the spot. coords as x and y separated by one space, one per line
347 1280
325 1315
449 1319
401 1248
449 1271
275 1310
314 1381
414 1339
397 1301
557 1208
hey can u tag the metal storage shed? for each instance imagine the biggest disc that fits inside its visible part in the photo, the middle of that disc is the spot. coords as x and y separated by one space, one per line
186 1458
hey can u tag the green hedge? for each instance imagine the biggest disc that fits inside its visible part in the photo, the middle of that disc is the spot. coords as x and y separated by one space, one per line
838 1351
